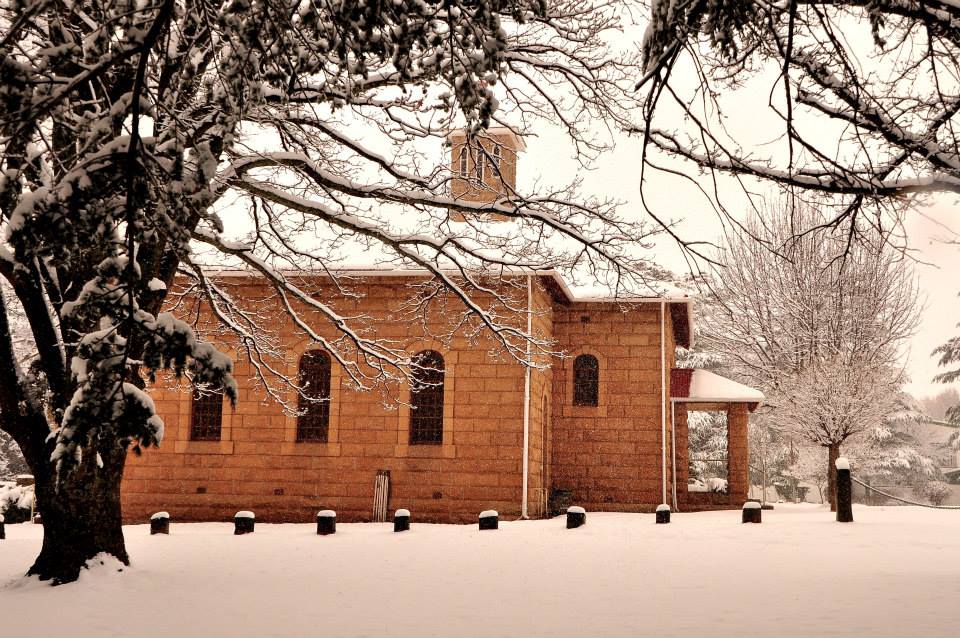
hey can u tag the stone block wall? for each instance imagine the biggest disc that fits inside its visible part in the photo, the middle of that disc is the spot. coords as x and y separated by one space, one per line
258 464
609 456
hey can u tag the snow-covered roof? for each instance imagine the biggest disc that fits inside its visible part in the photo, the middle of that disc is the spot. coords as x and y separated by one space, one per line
670 295
703 386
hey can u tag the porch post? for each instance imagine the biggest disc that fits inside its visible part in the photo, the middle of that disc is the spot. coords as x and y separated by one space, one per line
738 471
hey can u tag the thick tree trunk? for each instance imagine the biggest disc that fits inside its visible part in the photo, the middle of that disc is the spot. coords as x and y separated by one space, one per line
81 517
832 456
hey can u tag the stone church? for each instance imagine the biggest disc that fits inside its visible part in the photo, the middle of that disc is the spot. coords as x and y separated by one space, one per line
604 426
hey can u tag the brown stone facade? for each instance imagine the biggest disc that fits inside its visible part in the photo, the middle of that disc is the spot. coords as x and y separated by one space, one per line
608 457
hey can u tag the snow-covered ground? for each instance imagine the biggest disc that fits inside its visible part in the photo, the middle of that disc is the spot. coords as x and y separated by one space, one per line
895 572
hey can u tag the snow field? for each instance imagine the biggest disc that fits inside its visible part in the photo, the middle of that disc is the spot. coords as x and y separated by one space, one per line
892 573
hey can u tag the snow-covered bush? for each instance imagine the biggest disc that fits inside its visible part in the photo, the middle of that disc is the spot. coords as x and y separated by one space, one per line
16 502
936 492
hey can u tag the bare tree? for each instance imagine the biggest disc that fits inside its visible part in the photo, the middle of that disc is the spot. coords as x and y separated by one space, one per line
822 336
139 140
861 100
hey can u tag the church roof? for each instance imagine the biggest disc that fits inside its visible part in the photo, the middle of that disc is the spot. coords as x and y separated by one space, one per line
703 386
679 304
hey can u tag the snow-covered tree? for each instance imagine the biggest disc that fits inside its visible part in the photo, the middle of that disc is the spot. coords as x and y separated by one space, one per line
140 140
851 102
821 336
707 449
891 451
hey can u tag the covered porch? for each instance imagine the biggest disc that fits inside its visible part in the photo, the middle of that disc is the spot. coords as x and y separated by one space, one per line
710 466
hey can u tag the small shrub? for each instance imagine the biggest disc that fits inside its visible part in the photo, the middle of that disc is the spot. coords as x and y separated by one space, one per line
15 502
936 492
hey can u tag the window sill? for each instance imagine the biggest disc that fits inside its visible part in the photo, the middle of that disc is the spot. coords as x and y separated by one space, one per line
309 448
426 451
203 447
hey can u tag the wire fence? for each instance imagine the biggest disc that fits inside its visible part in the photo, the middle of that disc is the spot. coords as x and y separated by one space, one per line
904 500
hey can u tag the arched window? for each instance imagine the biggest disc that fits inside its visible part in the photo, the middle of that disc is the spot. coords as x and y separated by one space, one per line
464 154
478 163
426 399
586 380
496 156
206 414
314 402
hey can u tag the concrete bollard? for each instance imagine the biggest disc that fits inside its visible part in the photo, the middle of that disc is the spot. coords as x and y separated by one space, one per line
243 523
3 531
844 491
751 512
326 522
489 519
663 514
576 517
401 521
160 523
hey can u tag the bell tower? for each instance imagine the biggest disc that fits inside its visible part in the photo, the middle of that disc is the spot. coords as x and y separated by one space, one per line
485 168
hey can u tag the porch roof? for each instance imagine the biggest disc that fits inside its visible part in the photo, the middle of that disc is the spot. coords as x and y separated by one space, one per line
702 386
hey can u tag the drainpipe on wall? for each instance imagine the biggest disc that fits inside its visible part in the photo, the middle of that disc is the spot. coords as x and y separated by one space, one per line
673 446
663 400
526 401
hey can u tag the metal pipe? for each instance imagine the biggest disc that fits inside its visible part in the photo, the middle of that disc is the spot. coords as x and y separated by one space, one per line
526 401
663 401
673 446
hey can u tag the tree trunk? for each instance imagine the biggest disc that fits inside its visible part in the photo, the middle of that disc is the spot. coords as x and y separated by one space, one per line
81 517
832 456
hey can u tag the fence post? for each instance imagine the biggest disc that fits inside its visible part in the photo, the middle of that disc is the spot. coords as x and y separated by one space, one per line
489 519
326 522
401 521
3 532
160 523
243 523
663 514
844 491
576 516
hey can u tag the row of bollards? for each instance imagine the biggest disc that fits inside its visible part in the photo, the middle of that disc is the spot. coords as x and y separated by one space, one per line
244 521
489 519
